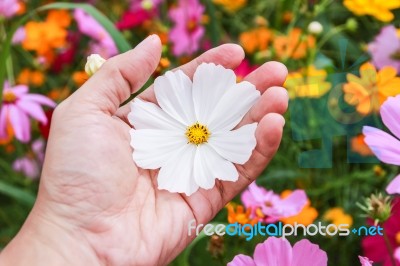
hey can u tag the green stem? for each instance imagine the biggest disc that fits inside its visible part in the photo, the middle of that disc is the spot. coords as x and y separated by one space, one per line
10 71
389 248
329 35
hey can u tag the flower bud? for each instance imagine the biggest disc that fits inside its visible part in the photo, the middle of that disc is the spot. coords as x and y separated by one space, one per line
93 63
351 24
315 28
377 207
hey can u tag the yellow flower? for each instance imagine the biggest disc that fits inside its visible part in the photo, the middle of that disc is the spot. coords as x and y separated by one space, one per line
255 39
231 5
337 216
308 82
372 88
376 8
306 216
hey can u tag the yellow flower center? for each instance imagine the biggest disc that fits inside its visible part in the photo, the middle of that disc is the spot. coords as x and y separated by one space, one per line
398 238
9 97
197 134
191 25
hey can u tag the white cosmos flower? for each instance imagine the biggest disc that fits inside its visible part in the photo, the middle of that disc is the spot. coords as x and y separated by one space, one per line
190 136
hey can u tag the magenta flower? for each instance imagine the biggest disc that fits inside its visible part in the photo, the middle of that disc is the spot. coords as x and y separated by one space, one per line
8 8
383 145
244 69
278 251
375 248
271 205
18 105
31 164
188 30
102 42
385 49
365 261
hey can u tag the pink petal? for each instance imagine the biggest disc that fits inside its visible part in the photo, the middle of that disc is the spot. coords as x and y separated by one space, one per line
20 123
43 100
33 109
394 186
307 253
390 114
397 254
27 166
19 90
365 261
291 205
383 145
3 121
241 260
274 251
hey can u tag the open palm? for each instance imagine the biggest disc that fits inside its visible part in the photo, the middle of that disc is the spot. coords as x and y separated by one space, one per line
92 194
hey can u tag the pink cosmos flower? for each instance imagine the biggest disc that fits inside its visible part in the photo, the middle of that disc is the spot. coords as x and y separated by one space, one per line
18 105
131 19
8 8
271 205
278 251
188 30
102 42
375 248
383 145
385 49
19 36
365 261
244 69
31 164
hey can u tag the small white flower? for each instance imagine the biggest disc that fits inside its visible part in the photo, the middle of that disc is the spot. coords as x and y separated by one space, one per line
93 63
190 137
315 28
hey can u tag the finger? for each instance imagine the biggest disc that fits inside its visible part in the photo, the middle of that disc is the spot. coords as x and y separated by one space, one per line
269 74
227 55
120 76
268 135
274 100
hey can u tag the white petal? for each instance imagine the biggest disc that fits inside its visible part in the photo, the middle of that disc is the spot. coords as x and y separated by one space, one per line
236 145
152 148
145 115
174 95
176 175
210 82
209 165
234 104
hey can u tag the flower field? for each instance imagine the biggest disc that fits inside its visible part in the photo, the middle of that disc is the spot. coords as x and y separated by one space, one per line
337 164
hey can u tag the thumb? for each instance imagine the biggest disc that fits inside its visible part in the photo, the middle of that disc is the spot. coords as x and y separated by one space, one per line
120 76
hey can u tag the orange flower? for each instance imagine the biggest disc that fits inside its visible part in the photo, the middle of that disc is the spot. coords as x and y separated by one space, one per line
337 216
10 134
306 216
59 94
256 39
43 37
381 10
293 45
359 146
231 5
237 214
34 77
79 77
372 88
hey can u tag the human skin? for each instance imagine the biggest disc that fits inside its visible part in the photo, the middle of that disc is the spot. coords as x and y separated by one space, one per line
94 205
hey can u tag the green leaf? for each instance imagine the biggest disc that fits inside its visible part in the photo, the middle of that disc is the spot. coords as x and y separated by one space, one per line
17 194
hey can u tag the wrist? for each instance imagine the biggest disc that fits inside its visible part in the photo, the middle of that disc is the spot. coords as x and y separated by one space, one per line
42 241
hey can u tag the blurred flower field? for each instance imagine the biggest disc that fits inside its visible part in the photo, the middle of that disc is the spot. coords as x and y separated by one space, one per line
343 59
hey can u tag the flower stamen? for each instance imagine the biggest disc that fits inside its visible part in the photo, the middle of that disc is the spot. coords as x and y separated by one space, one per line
9 97
197 134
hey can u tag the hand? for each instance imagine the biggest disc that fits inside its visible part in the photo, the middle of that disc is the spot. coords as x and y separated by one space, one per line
94 205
